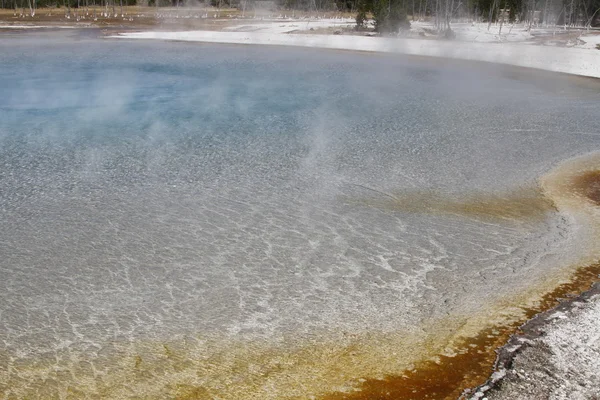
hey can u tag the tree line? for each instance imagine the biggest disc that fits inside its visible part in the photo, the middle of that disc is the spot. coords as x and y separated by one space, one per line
442 12
387 14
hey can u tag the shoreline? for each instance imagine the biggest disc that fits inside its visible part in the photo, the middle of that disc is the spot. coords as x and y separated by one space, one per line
574 61
556 49
535 347
484 357
528 339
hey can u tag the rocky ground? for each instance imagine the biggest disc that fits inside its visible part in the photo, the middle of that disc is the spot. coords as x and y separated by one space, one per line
557 356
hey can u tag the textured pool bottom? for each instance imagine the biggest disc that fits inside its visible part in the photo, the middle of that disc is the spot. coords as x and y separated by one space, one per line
440 366
437 360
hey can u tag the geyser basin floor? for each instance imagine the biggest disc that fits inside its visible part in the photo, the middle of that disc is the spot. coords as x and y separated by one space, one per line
577 61
212 221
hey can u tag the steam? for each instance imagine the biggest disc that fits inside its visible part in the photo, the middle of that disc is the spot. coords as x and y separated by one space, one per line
213 197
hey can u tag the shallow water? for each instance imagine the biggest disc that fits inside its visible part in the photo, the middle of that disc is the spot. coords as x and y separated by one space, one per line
247 222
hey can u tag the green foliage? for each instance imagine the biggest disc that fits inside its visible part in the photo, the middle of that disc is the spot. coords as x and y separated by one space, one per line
390 18
361 18
380 11
389 15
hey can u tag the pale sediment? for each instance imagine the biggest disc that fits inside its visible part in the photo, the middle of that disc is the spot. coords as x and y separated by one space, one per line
584 62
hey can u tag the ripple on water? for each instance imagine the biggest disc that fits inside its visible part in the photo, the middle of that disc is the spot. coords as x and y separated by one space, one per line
222 220
456 353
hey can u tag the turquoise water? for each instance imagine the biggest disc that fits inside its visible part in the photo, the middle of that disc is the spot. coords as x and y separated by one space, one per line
154 190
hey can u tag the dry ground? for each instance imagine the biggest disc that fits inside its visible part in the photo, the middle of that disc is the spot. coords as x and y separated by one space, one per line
171 18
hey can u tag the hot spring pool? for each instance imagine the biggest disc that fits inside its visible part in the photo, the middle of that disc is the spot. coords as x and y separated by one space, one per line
241 222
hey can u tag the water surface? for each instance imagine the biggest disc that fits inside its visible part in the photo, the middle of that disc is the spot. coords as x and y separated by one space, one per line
248 222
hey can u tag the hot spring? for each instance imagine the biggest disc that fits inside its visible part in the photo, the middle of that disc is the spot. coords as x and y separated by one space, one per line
236 222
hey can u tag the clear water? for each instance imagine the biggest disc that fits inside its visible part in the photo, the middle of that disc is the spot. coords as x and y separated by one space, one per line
150 191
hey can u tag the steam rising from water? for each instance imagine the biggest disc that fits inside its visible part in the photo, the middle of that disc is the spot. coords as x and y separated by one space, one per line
210 221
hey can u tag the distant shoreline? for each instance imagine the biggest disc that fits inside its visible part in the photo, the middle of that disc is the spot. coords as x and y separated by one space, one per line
575 61
540 48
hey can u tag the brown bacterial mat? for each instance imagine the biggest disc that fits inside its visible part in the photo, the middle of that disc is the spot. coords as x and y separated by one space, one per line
449 376
588 185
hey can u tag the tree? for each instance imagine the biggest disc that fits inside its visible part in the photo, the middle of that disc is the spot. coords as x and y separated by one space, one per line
389 15
361 18
391 18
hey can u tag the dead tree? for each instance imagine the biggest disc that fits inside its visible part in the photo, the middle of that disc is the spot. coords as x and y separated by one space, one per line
31 8
491 14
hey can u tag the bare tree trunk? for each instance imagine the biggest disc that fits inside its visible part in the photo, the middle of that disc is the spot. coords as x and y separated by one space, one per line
449 14
502 19
531 12
557 19
589 22
571 14
31 8
491 15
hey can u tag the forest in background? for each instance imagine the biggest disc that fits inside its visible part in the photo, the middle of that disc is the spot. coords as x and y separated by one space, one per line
390 15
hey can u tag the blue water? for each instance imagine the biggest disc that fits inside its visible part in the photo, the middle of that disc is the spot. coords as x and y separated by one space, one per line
149 190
